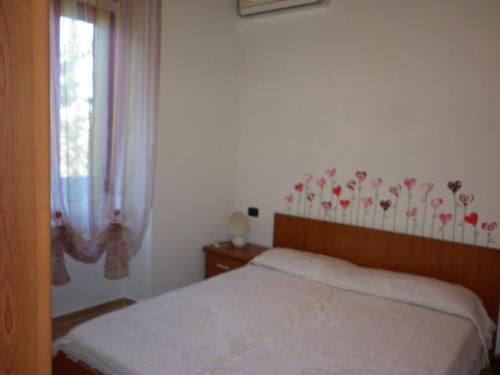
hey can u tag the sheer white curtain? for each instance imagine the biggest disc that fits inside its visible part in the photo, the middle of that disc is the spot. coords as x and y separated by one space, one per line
104 72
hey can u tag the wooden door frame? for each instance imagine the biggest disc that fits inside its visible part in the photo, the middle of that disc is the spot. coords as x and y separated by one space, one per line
25 300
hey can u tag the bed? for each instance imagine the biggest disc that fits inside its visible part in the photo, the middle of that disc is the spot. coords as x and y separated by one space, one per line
289 314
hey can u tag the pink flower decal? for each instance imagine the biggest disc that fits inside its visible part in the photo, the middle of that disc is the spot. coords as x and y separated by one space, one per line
395 190
437 202
289 201
321 183
326 205
309 177
489 227
361 176
410 182
310 196
428 187
455 186
472 219
466 199
376 182
367 201
351 184
445 218
412 213
344 203
330 173
299 187
337 190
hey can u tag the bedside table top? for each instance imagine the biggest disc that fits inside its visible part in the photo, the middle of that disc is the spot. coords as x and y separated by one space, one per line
227 249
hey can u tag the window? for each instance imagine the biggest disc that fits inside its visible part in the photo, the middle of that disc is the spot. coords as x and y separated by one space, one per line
77 92
85 43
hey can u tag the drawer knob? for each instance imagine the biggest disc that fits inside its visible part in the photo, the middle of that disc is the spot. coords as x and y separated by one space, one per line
222 266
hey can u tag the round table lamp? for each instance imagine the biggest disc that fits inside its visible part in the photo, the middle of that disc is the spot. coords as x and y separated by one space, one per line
239 227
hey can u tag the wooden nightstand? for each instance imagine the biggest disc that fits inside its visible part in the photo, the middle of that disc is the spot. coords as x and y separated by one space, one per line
226 257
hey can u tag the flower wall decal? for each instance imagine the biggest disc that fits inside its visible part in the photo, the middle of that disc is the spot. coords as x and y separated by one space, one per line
376 183
351 185
473 219
465 199
344 203
367 203
336 191
360 177
435 204
395 190
385 206
409 183
427 187
321 185
445 219
455 186
289 201
327 199
488 228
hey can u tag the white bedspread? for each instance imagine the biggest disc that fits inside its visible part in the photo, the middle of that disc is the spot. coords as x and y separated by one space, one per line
259 321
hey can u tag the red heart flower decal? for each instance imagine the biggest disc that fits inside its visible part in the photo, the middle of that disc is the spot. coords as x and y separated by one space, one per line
360 176
289 199
472 218
299 187
337 190
345 203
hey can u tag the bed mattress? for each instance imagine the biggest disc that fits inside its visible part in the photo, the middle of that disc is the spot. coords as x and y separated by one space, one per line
256 320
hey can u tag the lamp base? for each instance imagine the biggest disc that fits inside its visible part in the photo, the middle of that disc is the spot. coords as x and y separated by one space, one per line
239 242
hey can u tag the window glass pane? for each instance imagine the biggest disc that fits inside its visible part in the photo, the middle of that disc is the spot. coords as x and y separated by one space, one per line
76 51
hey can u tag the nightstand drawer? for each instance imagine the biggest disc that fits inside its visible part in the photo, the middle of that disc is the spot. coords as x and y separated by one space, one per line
216 264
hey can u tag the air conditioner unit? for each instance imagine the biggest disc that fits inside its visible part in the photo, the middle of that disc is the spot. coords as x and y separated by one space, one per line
250 7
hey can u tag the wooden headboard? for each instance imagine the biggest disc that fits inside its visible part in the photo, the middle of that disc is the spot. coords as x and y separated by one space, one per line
477 268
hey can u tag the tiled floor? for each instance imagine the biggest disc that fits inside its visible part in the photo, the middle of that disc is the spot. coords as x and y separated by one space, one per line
63 324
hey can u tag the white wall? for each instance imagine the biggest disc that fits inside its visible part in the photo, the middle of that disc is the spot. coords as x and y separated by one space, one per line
397 88
196 140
